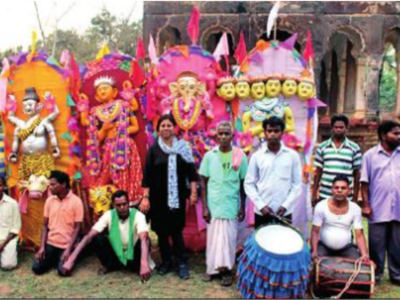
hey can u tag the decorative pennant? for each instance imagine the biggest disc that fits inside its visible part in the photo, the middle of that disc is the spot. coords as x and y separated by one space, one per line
222 48
140 53
290 42
308 51
152 51
193 25
241 52
256 58
103 51
70 101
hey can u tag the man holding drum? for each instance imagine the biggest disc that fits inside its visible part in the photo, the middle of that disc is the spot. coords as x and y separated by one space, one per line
333 220
273 180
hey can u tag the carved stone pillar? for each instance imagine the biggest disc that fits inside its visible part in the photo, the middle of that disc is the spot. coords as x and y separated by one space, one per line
342 85
372 86
360 101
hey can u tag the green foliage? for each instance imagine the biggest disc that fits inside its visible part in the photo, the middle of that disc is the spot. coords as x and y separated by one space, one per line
388 81
119 33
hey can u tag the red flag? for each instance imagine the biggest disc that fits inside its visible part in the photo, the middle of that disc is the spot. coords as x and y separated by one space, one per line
137 74
309 51
240 52
140 53
193 26
76 78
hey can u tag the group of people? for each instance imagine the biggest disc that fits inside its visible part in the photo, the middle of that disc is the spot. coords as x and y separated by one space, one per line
271 180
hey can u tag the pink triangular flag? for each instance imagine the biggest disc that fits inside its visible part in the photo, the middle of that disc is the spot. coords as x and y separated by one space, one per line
152 51
222 47
193 26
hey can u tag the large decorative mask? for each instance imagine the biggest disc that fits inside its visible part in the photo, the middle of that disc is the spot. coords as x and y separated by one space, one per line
105 89
100 198
243 88
188 87
305 90
258 90
273 87
226 88
289 88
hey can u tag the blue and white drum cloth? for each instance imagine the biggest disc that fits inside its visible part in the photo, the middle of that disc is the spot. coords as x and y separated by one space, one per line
275 263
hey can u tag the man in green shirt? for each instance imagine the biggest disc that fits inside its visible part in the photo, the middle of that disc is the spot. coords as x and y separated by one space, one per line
223 170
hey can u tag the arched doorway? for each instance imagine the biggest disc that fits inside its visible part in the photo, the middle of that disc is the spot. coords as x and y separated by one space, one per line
211 39
389 85
343 72
168 37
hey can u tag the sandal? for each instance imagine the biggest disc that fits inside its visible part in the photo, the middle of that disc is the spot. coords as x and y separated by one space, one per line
227 280
207 278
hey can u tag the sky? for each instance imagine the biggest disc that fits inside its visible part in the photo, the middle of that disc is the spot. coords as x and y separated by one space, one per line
18 18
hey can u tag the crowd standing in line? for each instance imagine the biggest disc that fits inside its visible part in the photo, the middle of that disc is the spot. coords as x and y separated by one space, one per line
272 181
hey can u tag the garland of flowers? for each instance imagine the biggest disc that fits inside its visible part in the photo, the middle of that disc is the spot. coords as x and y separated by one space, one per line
194 114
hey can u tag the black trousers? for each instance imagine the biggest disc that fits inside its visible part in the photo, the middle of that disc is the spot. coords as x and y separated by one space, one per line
178 247
268 220
51 260
105 253
350 251
384 238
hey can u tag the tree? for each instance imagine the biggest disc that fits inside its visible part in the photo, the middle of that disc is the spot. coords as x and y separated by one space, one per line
388 81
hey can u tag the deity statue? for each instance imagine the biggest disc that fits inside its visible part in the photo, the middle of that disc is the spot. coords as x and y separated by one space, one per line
289 87
306 89
242 87
226 88
188 100
113 157
257 90
33 135
265 107
273 86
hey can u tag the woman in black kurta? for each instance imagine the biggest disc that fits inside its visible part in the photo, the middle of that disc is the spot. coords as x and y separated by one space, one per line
166 221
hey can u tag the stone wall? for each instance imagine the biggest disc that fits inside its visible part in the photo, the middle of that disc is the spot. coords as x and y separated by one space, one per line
348 37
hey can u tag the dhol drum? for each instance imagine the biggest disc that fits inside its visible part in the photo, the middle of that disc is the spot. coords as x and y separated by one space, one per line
332 274
275 263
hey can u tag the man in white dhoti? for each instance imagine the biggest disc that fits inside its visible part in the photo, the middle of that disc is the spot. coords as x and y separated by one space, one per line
10 226
223 170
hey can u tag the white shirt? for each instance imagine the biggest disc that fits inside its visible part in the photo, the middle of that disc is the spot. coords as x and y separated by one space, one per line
273 180
10 217
336 229
139 226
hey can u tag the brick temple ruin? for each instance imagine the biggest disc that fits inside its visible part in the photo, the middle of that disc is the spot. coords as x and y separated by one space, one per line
349 39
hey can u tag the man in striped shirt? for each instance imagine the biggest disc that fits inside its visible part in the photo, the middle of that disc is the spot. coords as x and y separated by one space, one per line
336 156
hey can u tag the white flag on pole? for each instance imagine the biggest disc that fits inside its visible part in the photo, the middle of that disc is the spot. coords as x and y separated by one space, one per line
273 15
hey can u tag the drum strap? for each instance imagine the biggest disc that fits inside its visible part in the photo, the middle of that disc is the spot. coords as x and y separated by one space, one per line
358 265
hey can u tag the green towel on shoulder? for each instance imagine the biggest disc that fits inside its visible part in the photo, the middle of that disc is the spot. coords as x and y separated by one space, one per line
115 237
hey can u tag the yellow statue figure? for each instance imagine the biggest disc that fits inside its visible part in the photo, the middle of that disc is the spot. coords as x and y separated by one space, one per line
273 86
264 108
289 87
243 87
257 88
305 90
306 87
226 88
188 99
112 156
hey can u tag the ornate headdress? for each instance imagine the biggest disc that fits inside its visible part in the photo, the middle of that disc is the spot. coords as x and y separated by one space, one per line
104 80
227 79
243 78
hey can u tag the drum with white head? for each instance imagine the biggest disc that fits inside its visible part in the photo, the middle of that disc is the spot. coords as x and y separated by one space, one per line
275 263
279 239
